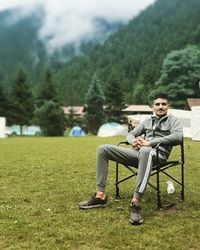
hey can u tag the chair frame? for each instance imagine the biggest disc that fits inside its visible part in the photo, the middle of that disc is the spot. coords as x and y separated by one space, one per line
158 168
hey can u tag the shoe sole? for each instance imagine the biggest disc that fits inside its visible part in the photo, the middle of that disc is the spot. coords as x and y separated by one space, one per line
94 206
136 223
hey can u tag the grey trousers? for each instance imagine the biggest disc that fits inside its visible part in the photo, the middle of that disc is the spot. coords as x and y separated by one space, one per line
143 159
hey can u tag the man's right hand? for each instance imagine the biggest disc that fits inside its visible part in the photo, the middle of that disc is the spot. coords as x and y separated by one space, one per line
140 142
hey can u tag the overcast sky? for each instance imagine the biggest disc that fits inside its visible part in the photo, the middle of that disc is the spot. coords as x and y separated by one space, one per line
69 21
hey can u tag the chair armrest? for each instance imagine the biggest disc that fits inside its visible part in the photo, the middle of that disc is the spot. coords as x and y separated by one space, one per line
123 142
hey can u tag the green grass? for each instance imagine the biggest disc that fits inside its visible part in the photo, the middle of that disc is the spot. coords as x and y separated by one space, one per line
42 180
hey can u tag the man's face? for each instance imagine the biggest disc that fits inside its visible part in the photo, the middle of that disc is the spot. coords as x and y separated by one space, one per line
160 107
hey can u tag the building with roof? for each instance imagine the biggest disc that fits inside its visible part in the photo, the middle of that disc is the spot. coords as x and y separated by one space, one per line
137 109
77 111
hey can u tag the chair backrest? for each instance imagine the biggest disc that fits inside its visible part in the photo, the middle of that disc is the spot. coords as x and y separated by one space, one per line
181 145
130 126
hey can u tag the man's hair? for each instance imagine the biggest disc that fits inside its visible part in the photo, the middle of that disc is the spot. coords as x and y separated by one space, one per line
160 95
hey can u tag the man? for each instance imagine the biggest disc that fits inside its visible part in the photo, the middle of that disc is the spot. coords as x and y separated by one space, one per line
160 128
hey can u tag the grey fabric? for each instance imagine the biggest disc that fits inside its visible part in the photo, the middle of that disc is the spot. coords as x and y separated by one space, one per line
166 130
141 159
108 152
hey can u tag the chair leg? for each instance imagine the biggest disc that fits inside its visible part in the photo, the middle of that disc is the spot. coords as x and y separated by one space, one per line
158 180
117 196
182 171
182 182
158 190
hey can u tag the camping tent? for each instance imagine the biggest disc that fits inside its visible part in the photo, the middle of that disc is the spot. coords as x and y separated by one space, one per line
111 129
76 131
183 115
195 123
185 118
2 127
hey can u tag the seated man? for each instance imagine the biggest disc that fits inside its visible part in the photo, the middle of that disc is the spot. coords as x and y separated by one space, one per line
160 128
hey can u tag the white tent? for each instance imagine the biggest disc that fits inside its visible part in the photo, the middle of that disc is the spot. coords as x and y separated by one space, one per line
185 118
111 129
195 123
183 115
2 127
137 119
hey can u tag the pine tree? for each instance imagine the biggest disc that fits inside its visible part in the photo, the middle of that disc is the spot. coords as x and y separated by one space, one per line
95 101
70 118
114 102
21 100
47 90
3 99
51 119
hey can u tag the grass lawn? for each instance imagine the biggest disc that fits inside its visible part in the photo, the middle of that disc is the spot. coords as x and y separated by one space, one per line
42 180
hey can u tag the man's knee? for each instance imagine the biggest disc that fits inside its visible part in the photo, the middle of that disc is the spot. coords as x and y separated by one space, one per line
102 149
144 151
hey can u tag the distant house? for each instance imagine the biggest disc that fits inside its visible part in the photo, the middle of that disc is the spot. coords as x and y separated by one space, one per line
192 102
137 109
78 111
137 113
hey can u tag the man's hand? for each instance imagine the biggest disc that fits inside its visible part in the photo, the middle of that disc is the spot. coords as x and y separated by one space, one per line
140 142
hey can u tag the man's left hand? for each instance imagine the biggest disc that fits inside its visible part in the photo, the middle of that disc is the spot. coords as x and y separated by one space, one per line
142 142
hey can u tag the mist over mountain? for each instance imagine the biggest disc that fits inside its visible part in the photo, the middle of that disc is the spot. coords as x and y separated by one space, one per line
132 52
21 43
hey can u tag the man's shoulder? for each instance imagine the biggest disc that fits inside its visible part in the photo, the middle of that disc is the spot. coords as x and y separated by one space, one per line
172 117
174 120
148 119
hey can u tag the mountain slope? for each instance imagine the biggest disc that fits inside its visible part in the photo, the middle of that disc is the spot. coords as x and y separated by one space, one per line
19 43
135 53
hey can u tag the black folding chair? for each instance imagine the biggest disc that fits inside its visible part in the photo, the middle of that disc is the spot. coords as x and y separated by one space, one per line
158 168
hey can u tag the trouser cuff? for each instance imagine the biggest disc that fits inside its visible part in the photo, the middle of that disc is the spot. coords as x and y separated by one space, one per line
138 195
100 189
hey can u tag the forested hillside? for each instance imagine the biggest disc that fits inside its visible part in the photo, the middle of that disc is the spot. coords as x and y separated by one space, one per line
134 54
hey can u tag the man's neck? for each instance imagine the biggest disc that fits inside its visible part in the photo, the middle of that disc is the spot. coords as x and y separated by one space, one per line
160 116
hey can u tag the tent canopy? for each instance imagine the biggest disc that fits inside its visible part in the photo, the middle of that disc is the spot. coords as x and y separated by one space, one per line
111 129
183 115
76 131
195 123
2 127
